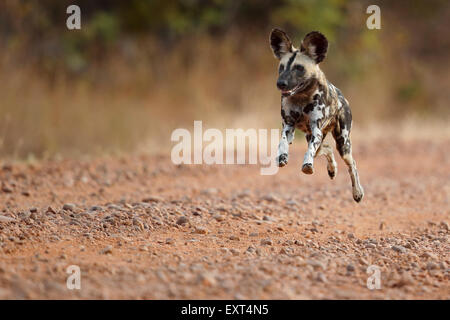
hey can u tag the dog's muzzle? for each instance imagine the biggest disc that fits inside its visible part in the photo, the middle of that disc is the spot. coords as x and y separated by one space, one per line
293 91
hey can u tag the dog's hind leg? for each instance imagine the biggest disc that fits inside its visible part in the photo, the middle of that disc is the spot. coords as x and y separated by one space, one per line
327 151
341 134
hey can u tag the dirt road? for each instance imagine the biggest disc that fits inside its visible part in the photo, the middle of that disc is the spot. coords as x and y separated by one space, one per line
140 227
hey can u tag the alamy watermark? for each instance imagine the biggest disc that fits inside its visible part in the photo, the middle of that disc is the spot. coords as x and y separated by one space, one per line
214 147
374 20
73 281
74 20
374 281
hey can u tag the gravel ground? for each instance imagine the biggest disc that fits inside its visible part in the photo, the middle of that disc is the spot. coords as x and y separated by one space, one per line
140 227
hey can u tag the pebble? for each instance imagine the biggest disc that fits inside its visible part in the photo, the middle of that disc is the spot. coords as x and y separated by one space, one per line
6 189
316 264
207 279
234 252
106 250
69 206
321 277
51 210
270 198
400 249
444 225
152 199
430 255
6 219
431 266
350 268
182 220
267 242
200 230
209 191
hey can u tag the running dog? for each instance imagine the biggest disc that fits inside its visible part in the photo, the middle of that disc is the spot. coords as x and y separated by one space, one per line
312 104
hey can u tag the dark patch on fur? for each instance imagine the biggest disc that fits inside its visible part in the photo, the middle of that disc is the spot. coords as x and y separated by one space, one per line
309 107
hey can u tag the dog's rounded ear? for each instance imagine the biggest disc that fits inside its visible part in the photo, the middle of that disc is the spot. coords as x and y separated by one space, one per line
280 43
315 45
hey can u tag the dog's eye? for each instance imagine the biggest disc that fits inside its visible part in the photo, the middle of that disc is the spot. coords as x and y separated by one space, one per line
281 69
299 67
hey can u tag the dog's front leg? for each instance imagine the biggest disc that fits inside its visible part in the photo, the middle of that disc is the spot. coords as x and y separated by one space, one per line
287 136
314 141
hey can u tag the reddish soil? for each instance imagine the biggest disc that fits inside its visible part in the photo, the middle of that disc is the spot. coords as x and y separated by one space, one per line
140 227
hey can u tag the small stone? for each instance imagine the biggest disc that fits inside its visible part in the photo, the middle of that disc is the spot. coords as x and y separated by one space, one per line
106 250
350 268
363 261
399 249
209 191
316 264
431 266
321 277
271 198
218 217
170 241
6 219
207 279
182 220
430 255
234 252
444 225
200 230
235 238
267 242
6 188
382 226
152 199
351 236
69 206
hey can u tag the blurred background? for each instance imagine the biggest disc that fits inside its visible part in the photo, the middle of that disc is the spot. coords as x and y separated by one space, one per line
139 69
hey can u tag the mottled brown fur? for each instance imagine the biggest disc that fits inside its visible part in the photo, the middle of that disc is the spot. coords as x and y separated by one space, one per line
312 104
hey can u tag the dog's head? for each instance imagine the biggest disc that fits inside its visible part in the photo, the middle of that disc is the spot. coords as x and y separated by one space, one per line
298 67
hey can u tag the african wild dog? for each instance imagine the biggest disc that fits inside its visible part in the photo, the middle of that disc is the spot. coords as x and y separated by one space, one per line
312 104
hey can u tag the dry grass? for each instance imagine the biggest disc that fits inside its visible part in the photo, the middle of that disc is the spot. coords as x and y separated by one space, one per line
136 98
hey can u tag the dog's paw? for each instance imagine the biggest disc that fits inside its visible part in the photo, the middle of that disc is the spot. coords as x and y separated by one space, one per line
282 160
308 168
358 194
331 174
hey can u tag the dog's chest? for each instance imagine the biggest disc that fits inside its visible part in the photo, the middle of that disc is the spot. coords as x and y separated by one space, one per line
301 111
